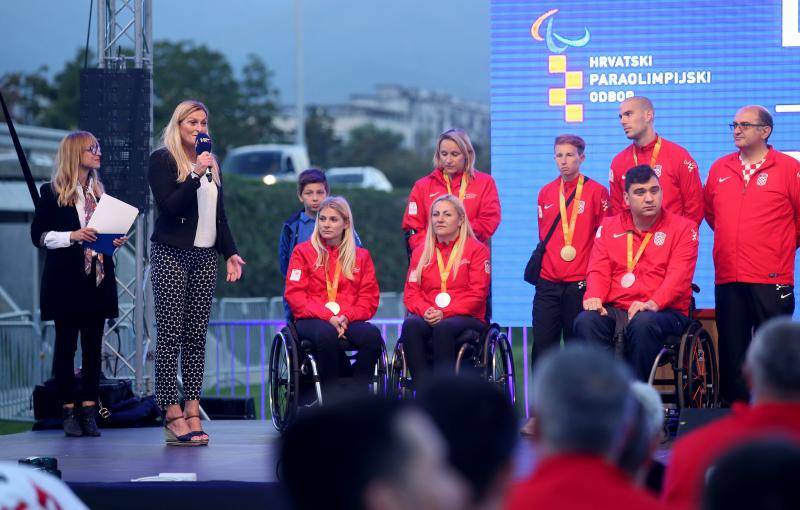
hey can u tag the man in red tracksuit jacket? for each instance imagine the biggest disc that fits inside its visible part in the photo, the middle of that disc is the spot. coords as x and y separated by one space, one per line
752 202
772 361
676 169
562 281
640 274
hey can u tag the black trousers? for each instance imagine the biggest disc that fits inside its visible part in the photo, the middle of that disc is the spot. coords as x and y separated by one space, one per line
363 335
555 306
90 328
644 334
418 335
741 308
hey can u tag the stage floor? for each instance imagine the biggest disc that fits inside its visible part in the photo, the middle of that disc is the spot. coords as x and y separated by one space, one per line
239 450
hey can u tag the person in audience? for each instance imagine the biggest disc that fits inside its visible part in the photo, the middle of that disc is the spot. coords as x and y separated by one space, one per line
446 289
752 201
637 458
562 282
675 167
772 369
454 174
368 454
640 274
480 428
764 474
332 292
25 488
584 411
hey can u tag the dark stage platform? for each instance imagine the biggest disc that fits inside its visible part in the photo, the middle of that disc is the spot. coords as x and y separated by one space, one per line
242 451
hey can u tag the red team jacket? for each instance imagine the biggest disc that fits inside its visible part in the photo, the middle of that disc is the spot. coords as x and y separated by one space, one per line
468 290
664 271
694 453
592 208
677 173
572 481
306 292
481 202
756 228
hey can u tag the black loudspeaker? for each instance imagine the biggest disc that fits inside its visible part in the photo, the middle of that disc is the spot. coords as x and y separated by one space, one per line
694 418
229 408
115 107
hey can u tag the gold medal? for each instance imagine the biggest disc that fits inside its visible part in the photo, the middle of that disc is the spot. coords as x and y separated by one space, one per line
334 307
442 299
568 253
332 288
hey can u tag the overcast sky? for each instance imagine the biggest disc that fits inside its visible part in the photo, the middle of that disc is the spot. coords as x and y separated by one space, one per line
350 45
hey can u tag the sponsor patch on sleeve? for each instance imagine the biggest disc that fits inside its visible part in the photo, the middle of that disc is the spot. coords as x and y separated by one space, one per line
295 276
412 208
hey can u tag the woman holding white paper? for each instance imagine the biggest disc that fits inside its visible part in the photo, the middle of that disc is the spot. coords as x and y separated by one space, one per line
191 229
78 290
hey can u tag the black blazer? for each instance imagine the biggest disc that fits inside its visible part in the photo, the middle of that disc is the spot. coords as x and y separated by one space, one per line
66 291
176 224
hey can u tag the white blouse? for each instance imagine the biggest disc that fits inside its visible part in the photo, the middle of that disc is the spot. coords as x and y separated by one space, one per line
53 239
206 233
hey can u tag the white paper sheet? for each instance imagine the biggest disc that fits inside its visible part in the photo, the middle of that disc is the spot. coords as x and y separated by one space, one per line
112 216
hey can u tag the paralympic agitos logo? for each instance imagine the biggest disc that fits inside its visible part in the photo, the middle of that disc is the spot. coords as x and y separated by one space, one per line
555 42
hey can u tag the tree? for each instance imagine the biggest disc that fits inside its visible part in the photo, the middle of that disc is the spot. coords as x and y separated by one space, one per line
259 103
63 111
27 95
321 139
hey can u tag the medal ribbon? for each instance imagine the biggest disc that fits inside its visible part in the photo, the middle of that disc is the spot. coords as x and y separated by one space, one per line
653 157
462 192
633 261
569 230
332 288
444 272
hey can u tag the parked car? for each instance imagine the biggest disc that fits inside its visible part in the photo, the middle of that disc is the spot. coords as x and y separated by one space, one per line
270 163
367 177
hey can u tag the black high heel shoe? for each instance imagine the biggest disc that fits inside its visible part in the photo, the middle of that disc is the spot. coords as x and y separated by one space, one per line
183 440
200 432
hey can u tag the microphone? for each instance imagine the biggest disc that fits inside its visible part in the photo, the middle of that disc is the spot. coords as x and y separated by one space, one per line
202 143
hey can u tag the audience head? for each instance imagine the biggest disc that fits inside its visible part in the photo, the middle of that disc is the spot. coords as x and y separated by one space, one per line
480 428
646 433
763 474
772 365
22 487
582 401
367 454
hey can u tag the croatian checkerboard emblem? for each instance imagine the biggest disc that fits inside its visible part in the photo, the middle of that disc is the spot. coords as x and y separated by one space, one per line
657 170
611 175
762 179
659 238
581 206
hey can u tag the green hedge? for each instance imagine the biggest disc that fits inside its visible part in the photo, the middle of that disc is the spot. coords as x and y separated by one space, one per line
256 214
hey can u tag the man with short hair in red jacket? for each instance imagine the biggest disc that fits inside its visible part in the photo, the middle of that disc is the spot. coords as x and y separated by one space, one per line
676 169
640 274
752 202
772 371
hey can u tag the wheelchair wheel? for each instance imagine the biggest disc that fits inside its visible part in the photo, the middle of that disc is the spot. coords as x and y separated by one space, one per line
284 374
400 377
498 362
699 372
380 376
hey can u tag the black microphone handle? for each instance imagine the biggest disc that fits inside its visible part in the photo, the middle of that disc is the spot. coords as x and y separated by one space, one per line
208 174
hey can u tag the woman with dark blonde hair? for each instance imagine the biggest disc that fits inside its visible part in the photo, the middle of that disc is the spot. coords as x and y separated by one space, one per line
332 291
78 291
190 229
446 288
454 174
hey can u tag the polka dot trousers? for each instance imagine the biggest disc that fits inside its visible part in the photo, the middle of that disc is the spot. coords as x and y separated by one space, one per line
183 287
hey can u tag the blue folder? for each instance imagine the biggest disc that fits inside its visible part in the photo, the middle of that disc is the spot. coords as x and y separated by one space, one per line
104 243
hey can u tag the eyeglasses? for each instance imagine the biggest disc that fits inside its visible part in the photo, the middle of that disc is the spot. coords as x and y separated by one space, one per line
744 125
94 149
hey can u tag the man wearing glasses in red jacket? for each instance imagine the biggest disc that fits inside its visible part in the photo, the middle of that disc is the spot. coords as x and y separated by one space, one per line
752 202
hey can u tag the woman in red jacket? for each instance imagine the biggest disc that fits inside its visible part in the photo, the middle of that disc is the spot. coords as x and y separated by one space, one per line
332 291
454 174
446 288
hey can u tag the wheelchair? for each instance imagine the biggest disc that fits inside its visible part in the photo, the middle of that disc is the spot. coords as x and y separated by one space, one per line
694 364
293 374
486 353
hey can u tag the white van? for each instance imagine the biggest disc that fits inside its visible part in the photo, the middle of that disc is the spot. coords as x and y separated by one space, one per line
270 163
367 177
